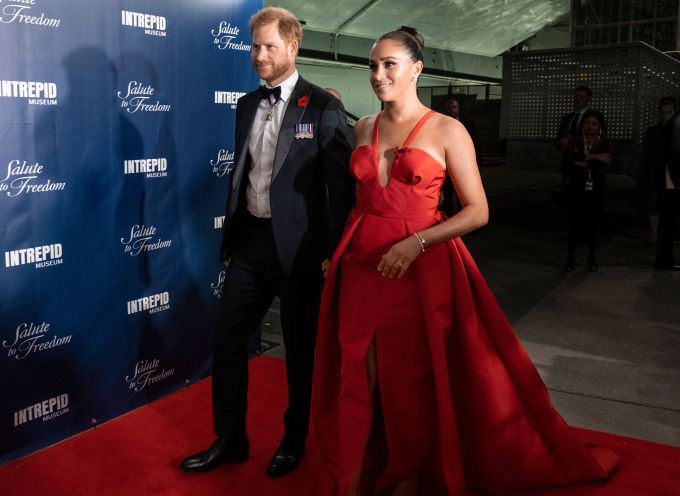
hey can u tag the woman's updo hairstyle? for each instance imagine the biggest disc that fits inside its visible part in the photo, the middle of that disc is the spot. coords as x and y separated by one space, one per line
410 39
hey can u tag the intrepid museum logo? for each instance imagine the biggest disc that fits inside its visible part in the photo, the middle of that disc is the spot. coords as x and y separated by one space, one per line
153 304
30 338
223 164
23 178
153 25
141 240
45 410
152 167
20 12
37 92
41 256
147 372
137 98
226 38
228 97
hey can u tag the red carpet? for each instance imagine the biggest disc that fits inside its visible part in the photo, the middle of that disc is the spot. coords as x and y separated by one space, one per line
138 454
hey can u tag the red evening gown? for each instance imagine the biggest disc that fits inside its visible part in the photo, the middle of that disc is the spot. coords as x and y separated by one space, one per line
459 404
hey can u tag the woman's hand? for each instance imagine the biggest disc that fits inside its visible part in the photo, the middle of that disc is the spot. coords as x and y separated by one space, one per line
397 260
324 267
580 164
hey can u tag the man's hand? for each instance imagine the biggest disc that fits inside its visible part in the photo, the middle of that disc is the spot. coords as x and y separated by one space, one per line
564 142
227 262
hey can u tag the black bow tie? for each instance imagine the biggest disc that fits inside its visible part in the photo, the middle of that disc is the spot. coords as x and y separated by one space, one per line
265 93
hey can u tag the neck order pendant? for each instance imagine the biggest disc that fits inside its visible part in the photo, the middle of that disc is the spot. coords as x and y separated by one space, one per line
270 112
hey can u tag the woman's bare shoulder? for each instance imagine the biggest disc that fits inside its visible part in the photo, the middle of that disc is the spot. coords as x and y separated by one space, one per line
446 124
449 132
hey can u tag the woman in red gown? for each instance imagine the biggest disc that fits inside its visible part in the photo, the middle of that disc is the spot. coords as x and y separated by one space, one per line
421 386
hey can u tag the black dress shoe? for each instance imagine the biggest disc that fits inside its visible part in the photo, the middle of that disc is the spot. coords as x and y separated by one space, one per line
667 267
285 460
221 451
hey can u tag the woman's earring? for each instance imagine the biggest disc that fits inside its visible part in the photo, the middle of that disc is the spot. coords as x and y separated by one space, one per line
414 78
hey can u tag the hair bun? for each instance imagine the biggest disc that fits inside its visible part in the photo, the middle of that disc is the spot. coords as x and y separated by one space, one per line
410 39
416 35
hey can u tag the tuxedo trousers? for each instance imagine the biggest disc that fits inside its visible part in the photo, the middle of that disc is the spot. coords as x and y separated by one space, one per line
584 211
669 218
254 278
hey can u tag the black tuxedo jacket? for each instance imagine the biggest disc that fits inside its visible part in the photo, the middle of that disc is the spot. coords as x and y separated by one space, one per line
565 121
311 190
673 149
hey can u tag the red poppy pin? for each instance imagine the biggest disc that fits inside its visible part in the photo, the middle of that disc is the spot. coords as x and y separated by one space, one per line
303 101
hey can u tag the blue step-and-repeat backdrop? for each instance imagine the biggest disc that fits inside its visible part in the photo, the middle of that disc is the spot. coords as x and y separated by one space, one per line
116 144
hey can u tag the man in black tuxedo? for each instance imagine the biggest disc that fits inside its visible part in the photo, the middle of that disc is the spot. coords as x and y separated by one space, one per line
669 211
290 195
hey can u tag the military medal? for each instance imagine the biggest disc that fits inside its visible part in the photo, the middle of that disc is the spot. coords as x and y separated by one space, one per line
304 131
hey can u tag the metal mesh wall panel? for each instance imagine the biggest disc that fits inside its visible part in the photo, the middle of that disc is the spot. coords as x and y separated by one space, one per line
658 78
627 82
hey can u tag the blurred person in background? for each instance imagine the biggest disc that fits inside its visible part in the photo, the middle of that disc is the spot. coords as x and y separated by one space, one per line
652 180
589 154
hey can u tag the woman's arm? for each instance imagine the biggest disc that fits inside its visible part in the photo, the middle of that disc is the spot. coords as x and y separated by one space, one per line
464 172
602 152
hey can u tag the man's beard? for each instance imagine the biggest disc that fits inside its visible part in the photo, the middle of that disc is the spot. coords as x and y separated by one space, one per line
272 71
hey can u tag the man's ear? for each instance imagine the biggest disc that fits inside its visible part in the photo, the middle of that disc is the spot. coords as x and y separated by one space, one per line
293 45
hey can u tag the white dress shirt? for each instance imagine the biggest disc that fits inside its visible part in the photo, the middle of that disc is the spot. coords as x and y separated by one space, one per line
264 135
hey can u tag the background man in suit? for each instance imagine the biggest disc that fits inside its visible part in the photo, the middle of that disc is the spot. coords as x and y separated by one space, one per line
290 195
669 211
334 92
571 125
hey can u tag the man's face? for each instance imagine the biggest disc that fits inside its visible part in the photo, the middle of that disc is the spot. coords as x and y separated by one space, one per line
273 57
666 113
453 108
581 100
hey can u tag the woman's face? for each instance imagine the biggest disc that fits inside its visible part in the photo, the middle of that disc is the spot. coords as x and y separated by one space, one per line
591 125
392 70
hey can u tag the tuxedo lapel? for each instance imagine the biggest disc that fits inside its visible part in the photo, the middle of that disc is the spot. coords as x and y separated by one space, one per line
293 116
244 124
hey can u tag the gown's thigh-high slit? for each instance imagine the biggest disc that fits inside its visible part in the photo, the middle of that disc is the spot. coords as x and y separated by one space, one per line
387 393
376 453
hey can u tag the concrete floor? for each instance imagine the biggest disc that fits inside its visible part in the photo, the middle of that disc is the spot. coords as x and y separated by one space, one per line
607 344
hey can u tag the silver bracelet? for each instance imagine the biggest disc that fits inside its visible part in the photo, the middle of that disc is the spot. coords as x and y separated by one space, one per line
421 241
